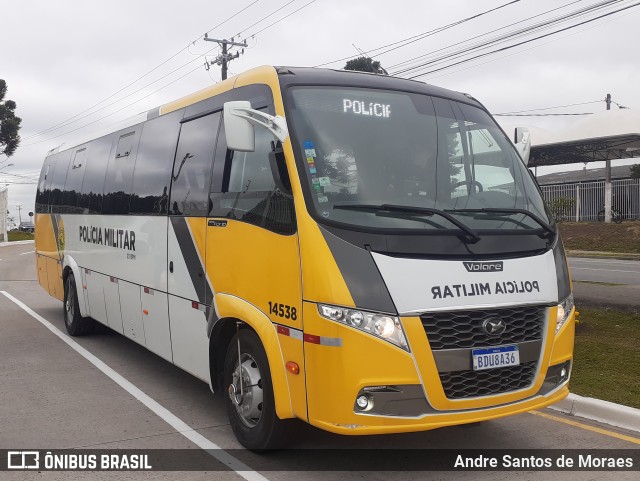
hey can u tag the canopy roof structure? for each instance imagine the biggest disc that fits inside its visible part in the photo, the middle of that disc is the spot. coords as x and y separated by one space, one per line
613 134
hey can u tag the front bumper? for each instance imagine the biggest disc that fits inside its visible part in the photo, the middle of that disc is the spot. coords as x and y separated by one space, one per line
338 373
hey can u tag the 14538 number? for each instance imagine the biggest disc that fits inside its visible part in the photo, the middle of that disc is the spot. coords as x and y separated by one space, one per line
282 310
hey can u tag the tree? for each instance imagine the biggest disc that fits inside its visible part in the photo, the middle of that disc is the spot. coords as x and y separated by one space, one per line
635 171
9 123
365 64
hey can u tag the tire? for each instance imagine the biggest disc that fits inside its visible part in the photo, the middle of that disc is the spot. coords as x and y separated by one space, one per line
259 427
601 216
76 324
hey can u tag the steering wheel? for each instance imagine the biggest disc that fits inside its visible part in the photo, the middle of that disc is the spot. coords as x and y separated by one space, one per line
468 184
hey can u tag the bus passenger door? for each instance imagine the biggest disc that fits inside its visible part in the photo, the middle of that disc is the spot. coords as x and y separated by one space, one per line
188 286
252 246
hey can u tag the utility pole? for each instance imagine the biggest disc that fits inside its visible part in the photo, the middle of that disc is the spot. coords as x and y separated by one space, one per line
19 207
607 177
225 57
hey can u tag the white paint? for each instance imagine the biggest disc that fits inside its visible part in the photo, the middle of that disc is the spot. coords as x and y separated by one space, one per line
605 270
25 253
411 282
598 410
180 426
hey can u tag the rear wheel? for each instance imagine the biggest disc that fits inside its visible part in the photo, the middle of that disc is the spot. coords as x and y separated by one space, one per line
76 324
249 398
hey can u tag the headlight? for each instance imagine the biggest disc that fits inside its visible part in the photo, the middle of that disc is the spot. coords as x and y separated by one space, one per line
380 325
564 309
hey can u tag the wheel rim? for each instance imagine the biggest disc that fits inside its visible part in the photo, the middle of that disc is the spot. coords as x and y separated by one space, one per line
68 303
245 391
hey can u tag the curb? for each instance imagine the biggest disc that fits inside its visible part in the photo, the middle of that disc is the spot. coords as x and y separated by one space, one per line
602 411
16 243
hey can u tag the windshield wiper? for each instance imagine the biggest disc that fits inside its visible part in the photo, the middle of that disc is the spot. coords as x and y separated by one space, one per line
471 235
491 210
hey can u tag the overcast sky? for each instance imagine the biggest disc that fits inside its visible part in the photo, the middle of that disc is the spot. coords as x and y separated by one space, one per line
60 57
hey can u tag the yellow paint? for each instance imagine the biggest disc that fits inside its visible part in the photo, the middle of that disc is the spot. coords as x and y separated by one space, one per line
587 427
230 306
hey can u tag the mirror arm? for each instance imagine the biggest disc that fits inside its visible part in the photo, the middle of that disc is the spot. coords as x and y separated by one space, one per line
277 125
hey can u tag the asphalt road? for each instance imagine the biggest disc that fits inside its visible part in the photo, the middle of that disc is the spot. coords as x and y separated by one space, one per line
606 282
51 397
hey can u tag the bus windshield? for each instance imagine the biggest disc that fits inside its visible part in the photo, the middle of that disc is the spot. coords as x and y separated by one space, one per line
365 150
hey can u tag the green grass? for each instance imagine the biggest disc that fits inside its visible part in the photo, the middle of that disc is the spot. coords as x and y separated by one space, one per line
16 235
607 356
598 236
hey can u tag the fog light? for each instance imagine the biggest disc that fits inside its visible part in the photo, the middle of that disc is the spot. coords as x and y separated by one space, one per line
563 373
364 402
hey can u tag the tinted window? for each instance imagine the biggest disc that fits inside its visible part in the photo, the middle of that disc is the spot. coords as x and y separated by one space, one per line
44 185
58 179
152 176
249 192
73 184
192 166
117 182
90 201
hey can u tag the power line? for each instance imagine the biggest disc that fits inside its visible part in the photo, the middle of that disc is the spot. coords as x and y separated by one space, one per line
541 115
523 42
502 38
116 111
419 36
66 122
549 108
405 62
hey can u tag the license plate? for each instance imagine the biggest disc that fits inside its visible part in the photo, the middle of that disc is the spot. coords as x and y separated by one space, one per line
493 357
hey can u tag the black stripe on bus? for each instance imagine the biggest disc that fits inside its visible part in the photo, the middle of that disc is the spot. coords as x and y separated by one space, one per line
360 273
192 261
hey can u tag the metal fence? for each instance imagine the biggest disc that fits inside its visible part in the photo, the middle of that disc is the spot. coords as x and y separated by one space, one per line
582 201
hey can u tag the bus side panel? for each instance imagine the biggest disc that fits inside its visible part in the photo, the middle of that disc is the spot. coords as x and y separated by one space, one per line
95 283
155 319
189 337
187 293
54 278
131 309
112 302
41 263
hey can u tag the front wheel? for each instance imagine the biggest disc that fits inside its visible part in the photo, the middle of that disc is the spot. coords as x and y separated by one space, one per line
601 216
249 398
76 324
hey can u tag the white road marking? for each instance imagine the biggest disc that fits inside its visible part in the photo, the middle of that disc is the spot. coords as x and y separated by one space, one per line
600 261
25 253
606 270
180 426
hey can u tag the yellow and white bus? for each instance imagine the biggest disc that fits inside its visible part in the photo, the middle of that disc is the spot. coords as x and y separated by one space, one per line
366 253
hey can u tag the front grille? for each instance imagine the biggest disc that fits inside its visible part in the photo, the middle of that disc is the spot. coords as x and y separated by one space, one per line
465 384
463 329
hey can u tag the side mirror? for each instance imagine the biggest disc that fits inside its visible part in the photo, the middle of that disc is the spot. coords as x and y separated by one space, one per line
239 121
522 141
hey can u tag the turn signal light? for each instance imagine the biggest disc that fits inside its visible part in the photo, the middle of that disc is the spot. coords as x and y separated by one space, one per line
293 368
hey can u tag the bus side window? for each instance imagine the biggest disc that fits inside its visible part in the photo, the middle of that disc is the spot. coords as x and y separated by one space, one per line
44 185
90 198
58 180
73 184
246 190
152 174
192 166
117 183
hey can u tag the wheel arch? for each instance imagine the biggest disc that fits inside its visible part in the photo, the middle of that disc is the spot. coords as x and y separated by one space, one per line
232 310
